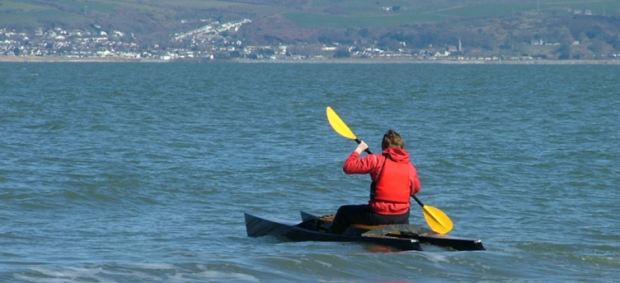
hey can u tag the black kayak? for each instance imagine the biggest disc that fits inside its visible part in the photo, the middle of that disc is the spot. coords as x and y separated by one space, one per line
314 228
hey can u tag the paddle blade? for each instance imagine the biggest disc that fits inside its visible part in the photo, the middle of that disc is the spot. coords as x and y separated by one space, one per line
339 126
437 220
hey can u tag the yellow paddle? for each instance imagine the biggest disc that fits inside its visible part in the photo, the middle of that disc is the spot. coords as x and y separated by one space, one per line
436 219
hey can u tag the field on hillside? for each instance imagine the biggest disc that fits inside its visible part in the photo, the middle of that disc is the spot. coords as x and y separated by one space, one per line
344 21
486 9
36 12
366 13
316 13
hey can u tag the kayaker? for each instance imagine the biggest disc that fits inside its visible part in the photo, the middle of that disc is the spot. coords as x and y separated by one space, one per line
394 181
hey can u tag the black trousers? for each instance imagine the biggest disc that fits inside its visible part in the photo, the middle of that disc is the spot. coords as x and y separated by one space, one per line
361 214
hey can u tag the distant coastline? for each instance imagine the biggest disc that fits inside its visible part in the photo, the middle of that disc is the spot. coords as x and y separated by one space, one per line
60 59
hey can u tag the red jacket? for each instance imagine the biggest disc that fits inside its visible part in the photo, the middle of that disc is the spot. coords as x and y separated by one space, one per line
373 164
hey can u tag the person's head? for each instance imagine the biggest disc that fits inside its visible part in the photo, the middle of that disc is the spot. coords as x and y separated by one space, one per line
392 139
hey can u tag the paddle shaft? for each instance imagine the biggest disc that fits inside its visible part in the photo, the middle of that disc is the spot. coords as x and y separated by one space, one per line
413 196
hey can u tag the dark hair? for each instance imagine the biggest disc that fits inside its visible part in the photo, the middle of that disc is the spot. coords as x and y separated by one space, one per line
392 139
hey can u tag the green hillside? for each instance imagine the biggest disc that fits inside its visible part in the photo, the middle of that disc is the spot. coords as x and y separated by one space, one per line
74 12
316 13
541 27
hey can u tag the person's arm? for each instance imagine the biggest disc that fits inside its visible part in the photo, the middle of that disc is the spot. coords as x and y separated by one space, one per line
415 180
356 165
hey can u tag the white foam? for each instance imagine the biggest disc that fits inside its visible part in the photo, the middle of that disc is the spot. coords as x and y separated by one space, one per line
436 257
65 276
154 266
328 265
212 274
78 274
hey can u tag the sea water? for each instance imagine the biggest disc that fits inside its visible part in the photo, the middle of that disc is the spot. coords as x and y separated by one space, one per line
129 172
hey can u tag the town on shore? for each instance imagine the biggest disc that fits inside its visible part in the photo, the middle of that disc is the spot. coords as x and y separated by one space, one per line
212 43
375 60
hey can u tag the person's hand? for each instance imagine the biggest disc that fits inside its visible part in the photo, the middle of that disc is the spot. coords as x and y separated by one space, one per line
361 147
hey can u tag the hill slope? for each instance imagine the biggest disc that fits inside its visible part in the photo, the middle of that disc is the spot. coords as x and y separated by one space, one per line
546 27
